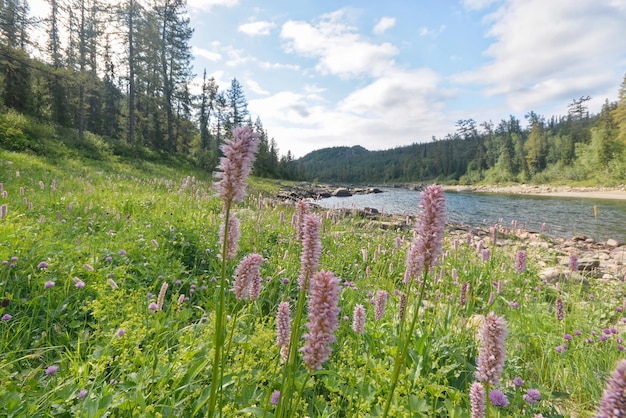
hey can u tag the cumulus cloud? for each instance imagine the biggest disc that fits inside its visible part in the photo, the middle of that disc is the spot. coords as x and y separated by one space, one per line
257 28
383 24
205 53
339 48
398 108
256 88
553 50
208 5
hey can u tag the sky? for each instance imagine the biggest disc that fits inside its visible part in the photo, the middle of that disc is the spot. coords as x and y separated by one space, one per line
383 74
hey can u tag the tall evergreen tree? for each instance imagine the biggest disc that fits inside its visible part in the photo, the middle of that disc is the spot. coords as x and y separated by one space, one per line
14 61
237 105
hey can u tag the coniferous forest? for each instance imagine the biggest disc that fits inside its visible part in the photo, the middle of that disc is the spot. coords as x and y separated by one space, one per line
579 147
117 80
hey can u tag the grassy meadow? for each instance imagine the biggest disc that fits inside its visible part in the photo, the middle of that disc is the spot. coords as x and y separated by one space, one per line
85 247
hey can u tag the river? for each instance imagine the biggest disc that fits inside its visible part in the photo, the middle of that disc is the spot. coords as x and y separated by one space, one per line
563 217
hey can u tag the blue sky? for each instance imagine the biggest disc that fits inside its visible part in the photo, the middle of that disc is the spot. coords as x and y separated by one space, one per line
388 73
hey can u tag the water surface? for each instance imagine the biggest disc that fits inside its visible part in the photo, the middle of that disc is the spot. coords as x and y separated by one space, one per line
563 216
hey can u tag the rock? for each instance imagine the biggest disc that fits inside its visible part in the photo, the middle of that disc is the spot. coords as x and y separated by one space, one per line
342 192
371 211
586 264
612 242
553 274
619 254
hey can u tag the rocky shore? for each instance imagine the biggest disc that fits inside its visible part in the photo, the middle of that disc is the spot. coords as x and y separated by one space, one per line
320 191
596 260
616 193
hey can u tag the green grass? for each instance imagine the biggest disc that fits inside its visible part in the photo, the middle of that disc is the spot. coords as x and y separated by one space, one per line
109 222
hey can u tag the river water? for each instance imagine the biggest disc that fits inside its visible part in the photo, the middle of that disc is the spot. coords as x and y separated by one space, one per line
563 217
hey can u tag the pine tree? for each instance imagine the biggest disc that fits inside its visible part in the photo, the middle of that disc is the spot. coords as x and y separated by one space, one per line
237 105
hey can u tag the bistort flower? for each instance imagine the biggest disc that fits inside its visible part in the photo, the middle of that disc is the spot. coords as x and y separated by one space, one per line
323 320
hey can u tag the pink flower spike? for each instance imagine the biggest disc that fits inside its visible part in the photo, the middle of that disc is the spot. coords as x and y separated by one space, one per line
236 164
323 320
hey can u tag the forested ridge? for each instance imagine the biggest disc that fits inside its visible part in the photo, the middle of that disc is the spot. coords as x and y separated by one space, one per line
116 79
575 148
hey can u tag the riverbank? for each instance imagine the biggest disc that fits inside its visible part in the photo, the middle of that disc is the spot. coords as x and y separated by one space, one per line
613 193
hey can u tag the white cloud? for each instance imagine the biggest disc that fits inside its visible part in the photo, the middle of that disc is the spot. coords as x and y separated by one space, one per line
478 4
257 28
256 88
207 5
337 46
205 53
400 107
554 50
383 24
278 66
426 31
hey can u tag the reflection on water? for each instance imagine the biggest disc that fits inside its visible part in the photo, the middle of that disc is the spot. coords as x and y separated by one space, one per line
563 217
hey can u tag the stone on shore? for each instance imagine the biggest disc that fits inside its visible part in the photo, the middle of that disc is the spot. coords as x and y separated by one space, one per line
342 192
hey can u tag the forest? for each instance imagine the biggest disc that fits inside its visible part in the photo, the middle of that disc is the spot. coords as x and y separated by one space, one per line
578 148
118 80
117 77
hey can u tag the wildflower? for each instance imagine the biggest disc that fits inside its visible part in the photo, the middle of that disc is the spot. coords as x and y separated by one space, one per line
379 304
155 243
532 396
232 240
358 319
578 332
78 283
247 283
491 354
51 370
402 307
567 337
560 348
573 262
559 310
518 382
311 250
463 293
513 304
88 267
82 393
275 397
153 306
520 262
302 209
120 332
485 254
48 284
613 402
108 259
122 252
323 319
161 297
283 328
3 211
6 317
236 164
498 399
477 400
426 246
112 283
43 265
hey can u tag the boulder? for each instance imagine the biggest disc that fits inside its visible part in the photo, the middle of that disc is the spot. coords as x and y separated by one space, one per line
342 192
612 242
